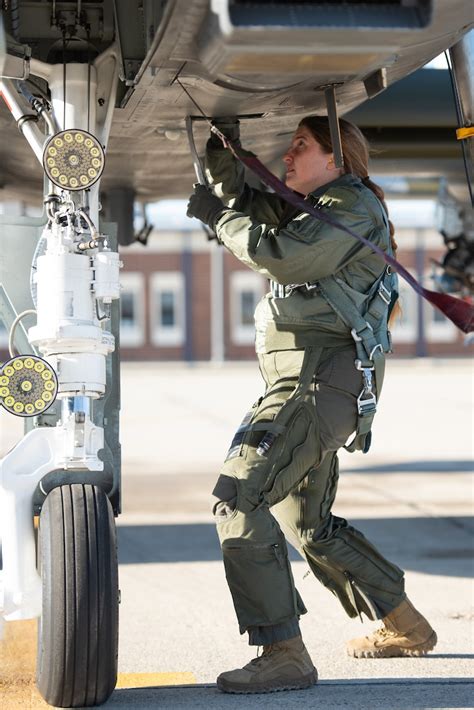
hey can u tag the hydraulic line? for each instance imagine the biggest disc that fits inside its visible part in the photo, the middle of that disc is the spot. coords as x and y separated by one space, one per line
11 337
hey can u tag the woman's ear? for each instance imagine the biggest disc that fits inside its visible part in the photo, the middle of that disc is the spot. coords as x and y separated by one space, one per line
330 164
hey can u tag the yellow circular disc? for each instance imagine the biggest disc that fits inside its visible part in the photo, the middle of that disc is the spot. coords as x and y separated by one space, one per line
30 377
74 151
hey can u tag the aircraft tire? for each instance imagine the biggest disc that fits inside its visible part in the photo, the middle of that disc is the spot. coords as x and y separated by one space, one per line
78 629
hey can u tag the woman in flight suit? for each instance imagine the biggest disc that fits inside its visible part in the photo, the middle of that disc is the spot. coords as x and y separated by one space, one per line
281 470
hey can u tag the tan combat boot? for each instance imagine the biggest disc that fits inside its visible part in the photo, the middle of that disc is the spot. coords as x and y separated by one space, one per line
284 665
405 633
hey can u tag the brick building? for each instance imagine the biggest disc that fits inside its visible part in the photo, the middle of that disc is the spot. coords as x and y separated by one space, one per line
185 298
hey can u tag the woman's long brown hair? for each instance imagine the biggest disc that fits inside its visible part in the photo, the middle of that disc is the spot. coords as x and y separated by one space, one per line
355 150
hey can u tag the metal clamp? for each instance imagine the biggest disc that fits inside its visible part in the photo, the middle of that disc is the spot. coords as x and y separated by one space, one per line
366 405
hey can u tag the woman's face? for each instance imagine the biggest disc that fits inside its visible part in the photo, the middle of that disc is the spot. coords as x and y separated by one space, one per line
307 165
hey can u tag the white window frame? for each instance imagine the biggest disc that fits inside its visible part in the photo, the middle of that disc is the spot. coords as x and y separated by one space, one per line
134 336
405 327
165 336
243 334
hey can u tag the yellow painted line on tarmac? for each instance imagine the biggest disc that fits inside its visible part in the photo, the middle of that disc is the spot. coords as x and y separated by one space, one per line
151 680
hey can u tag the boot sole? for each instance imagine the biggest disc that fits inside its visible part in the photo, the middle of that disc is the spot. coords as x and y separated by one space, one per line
397 651
304 682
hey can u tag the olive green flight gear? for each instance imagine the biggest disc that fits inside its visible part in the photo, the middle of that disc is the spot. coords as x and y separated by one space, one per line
282 666
405 633
326 312
301 419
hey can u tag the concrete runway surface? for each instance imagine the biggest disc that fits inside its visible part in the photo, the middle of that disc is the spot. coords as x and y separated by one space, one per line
411 495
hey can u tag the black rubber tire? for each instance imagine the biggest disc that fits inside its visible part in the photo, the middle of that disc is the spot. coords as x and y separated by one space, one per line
78 630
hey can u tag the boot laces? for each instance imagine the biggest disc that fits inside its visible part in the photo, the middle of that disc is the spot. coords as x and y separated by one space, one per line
383 633
262 657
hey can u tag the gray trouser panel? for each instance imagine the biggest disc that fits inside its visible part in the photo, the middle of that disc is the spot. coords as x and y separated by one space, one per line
293 477
338 554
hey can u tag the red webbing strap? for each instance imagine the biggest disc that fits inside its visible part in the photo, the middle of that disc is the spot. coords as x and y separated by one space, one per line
460 312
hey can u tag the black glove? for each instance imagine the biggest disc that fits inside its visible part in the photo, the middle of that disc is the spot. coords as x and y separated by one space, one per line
204 205
229 126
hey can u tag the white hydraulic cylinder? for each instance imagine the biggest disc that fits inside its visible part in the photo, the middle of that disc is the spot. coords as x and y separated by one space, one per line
68 333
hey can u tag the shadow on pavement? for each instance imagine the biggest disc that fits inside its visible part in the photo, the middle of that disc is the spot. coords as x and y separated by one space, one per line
456 466
443 546
357 694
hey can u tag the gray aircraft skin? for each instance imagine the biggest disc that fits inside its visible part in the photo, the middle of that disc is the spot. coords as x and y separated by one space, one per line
268 63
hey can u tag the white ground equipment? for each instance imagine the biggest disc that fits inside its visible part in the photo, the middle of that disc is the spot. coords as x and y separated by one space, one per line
65 572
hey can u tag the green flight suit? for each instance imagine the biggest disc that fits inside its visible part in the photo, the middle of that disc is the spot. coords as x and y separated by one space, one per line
281 470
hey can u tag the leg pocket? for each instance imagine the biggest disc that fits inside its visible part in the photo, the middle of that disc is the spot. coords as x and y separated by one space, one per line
292 454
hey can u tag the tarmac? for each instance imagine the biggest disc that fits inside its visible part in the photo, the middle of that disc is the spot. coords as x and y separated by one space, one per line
411 495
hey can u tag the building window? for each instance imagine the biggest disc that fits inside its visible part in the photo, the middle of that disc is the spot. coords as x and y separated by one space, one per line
3 335
246 291
167 309
132 309
438 328
405 328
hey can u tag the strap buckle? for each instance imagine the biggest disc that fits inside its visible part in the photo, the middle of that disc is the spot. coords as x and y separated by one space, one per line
366 405
377 347
355 333
367 401
359 365
385 294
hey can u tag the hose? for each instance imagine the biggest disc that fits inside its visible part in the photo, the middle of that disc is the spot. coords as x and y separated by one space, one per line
11 337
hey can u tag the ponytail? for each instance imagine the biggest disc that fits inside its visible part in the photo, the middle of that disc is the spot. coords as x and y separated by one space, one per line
380 195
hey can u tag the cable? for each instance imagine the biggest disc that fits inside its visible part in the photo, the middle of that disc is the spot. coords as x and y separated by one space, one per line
30 311
460 117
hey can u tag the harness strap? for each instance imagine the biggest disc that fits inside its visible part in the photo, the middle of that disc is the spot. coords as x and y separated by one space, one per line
370 359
